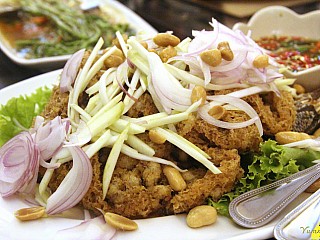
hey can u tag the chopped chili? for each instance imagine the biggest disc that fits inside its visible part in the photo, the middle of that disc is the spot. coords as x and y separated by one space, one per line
295 53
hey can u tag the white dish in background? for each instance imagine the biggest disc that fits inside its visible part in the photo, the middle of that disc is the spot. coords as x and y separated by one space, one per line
168 228
278 20
50 63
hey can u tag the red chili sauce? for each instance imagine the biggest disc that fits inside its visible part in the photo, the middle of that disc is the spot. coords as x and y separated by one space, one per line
295 53
22 26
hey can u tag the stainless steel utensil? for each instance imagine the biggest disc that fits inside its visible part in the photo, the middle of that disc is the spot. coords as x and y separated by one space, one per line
301 221
259 206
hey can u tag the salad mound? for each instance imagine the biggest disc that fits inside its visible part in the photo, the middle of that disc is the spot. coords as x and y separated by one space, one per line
155 126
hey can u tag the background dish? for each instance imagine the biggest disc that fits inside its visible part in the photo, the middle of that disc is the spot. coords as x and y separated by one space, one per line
278 20
49 63
169 228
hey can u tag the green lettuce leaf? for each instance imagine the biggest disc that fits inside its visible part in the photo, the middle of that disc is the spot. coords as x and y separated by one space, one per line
272 163
18 113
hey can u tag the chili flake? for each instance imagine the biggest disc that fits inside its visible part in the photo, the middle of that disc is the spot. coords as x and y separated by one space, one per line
295 53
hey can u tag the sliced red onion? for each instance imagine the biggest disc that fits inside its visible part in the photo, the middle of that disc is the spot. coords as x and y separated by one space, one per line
50 137
130 64
70 71
203 40
92 229
234 101
19 164
74 186
307 143
38 122
169 90
205 68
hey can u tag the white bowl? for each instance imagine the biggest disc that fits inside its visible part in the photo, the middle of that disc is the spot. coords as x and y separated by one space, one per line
49 63
279 20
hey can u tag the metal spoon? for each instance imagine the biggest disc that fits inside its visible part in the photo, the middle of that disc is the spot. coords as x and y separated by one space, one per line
300 222
259 206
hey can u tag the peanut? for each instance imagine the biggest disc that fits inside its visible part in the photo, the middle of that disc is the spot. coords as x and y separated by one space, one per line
226 52
156 137
175 179
167 53
115 59
120 222
217 112
299 88
201 216
144 44
166 39
290 137
198 93
317 133
27 214
261 61
211 57
116 43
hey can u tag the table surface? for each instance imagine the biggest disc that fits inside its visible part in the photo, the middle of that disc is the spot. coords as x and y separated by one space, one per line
185 14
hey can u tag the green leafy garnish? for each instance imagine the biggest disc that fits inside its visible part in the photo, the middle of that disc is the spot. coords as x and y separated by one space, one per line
272 163
18 113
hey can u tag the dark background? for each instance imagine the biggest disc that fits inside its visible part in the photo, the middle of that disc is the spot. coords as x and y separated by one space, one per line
179 16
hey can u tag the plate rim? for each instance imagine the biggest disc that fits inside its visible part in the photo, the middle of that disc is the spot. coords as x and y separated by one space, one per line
138 22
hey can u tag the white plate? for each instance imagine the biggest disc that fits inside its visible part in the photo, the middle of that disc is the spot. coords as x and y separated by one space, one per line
278 20
50 63
169 228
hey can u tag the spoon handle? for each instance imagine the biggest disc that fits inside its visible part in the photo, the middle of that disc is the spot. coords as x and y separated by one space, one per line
259 206
300 222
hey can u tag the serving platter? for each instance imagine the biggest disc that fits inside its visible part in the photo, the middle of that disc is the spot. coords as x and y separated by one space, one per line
169 228
50 63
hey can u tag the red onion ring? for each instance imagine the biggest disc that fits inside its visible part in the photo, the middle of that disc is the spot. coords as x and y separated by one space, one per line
19 164
92 229
50 137
70 70
74 186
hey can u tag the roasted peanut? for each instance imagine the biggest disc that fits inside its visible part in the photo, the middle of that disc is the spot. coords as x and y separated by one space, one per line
188 176
175 179
211 57
120 222
290 137
156 137
166 39
261 61
115 59
201 216
198 93
316 133
144 44
217 112
226 52
27 214
116 43
299 88
167 53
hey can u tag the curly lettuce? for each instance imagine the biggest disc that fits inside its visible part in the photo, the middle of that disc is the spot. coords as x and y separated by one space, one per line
18 113
272 163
